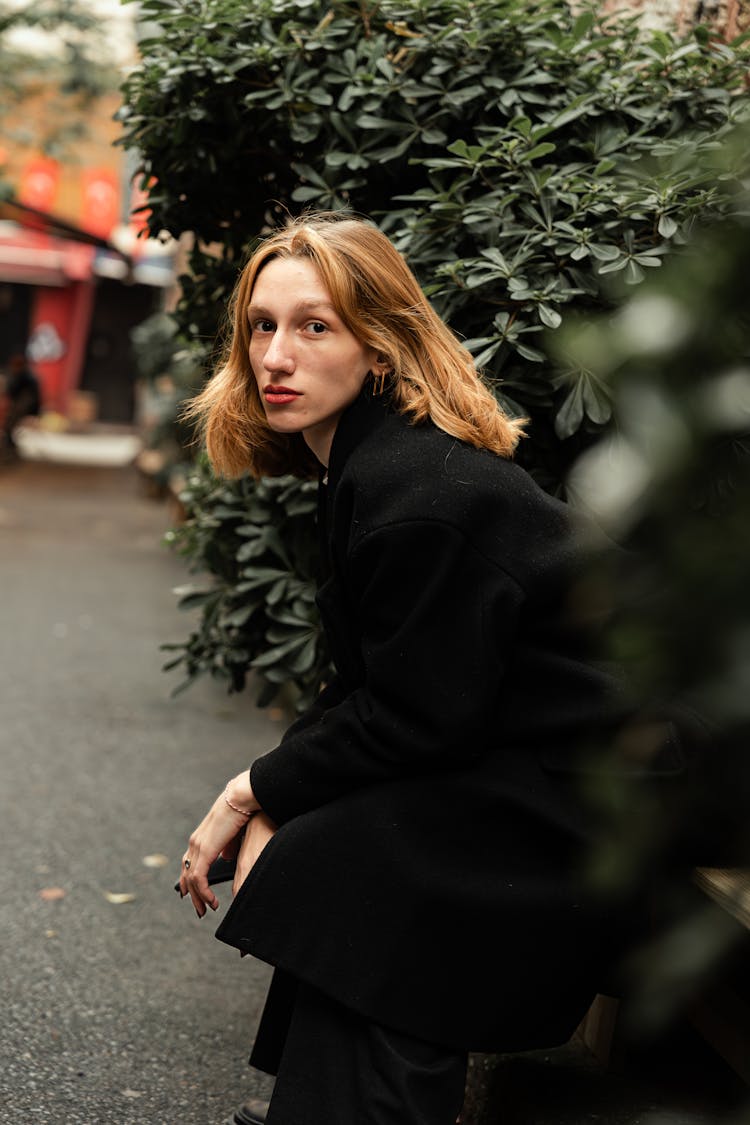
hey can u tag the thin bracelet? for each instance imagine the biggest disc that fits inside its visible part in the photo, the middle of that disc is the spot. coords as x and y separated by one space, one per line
242 812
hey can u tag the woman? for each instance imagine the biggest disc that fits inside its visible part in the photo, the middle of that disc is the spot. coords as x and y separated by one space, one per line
410 857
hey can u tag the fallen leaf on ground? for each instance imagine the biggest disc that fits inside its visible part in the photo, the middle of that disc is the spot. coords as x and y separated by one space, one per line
118 899
50 933
156 860
49 894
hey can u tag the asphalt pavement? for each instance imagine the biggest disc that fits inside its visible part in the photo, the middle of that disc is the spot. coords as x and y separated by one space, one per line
118 1004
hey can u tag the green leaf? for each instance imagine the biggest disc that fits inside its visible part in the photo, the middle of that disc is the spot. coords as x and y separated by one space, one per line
550 317
532 354
372 121
614 266
544 149
462 95
633 272
240 616
583 25
197 600
570 414
667 226
604 253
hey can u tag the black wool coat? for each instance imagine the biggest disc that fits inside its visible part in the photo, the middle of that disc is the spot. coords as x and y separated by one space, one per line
428 868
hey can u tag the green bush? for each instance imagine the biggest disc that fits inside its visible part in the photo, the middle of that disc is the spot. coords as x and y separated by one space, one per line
508 149
520 156
259 610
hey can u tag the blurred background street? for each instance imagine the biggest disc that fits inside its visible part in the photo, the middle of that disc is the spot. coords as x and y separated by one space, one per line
116 1008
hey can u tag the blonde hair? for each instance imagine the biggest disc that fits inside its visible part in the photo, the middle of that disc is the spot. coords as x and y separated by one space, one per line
378 298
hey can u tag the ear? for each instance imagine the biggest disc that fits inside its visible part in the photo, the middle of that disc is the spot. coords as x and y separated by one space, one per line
382 365
380 370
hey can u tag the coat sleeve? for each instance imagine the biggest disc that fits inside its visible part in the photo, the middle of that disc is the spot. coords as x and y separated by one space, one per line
330 695
437 622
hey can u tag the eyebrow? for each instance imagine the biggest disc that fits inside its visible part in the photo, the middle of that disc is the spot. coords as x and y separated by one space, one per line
301 306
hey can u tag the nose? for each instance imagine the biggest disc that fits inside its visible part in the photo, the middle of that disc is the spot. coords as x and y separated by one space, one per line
279 355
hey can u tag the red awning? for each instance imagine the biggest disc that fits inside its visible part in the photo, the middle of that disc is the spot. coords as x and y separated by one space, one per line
34 259
37 248
47 223
30 264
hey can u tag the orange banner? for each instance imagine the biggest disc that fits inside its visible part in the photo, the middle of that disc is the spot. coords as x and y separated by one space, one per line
101 201
39 181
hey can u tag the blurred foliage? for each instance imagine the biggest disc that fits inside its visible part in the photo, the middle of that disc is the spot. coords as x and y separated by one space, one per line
520 155
672 485
72 61
259 612
170 369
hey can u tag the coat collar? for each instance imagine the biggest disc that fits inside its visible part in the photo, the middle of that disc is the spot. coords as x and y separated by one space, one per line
366 414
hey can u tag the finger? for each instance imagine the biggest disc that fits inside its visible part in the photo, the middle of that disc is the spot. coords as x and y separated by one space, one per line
186 887
187 866
182 881
194 882
200 892
195 898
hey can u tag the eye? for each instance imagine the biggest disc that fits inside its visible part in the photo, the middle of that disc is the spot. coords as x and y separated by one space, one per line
262 325
317 328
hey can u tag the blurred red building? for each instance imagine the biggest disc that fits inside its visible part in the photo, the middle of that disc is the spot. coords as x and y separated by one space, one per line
75 277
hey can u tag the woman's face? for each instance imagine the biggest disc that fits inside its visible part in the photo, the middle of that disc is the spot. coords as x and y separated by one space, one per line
307 364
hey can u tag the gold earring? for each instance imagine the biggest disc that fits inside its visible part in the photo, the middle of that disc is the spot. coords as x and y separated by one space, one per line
384 369
378 380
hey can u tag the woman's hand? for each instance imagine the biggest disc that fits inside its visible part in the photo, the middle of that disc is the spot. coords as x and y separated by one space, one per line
217 833
259 831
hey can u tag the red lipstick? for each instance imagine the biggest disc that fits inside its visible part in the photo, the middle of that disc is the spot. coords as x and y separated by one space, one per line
279 396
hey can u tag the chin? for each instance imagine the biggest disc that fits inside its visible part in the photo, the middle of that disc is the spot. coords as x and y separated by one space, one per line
283 426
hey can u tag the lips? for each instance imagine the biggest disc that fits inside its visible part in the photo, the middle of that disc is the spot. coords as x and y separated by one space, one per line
279 396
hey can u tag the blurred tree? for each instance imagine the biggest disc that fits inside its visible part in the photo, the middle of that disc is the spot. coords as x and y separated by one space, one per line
43 44
672 486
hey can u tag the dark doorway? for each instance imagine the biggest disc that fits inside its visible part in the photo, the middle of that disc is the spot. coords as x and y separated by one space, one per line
109 371
15 312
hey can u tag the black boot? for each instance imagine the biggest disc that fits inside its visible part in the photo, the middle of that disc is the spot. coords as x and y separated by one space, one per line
252 1112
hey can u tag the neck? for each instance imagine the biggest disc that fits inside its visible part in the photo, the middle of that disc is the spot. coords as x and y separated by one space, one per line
319 440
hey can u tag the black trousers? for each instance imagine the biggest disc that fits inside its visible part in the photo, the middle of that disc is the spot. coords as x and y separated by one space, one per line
333 1067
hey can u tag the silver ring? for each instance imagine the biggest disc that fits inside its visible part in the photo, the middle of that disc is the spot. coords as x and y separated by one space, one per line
187 863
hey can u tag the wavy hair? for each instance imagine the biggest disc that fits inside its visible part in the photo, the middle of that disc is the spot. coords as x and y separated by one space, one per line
432 376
